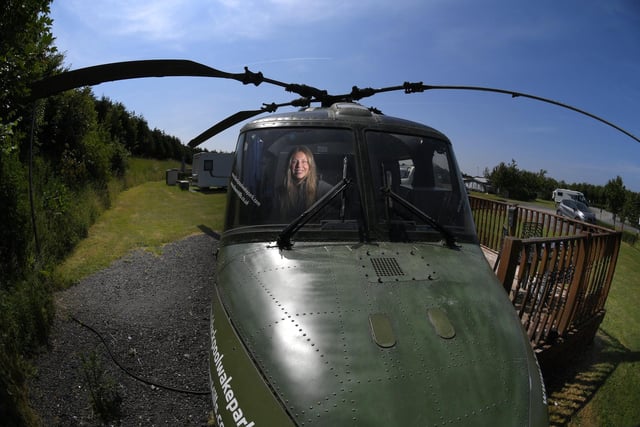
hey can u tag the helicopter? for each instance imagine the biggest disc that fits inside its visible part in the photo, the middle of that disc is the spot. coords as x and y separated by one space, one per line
368 304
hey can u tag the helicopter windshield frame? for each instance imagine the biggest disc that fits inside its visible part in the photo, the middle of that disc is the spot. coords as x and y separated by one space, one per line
415 164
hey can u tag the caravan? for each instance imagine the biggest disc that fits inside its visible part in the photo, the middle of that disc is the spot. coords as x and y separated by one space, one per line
211 169
560 194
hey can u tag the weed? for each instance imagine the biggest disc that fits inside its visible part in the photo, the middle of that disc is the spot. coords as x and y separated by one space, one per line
105 398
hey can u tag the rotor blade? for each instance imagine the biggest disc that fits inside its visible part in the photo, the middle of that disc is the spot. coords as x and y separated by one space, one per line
358 93
131 70
524 95
223 125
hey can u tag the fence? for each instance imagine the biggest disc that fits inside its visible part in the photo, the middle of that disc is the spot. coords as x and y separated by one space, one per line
556 271
495 220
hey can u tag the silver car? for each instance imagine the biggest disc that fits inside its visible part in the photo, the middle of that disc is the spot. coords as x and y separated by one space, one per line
576 210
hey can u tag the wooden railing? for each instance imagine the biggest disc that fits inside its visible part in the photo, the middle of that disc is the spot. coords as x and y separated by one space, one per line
495 220
556 271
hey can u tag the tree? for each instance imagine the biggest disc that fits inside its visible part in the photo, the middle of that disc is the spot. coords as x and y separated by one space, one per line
503 177
26 53
615 195
513 183
631 208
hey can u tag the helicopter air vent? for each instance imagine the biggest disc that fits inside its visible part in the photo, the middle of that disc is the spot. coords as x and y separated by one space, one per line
386 267
350 109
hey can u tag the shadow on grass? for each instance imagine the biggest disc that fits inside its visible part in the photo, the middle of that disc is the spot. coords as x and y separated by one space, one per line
210 190
572 386
209 232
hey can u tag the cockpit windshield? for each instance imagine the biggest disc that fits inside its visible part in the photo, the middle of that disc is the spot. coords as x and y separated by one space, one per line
280 173
287 179
420 190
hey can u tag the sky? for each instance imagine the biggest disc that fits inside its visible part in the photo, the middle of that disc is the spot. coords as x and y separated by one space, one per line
584 53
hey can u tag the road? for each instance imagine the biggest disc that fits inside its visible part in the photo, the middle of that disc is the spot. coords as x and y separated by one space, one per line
601 215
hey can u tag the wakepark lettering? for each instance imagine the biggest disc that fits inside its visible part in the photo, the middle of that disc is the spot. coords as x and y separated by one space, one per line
242 192
230 401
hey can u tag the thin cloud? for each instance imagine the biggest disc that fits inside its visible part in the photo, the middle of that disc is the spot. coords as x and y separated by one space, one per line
220 20
158 20
297 59
150 20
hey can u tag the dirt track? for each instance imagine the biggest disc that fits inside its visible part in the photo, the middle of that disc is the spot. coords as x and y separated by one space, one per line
153 314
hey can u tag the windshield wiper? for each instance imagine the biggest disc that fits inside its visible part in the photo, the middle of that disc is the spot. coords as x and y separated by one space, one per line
284 238
450 240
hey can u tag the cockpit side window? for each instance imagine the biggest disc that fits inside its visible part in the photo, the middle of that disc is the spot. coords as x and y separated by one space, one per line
279 173
421 171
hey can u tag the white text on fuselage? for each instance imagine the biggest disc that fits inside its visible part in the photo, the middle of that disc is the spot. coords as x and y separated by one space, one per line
243 192
230 401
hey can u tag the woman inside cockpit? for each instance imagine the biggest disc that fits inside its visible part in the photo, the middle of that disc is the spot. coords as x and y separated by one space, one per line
301 186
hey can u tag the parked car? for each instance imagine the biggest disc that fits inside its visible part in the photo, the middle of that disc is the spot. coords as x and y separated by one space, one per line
576 210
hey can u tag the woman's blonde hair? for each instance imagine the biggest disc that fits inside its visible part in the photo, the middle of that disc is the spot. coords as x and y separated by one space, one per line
291 195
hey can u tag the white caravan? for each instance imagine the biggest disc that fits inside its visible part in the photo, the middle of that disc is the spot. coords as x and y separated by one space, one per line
560 194
211 169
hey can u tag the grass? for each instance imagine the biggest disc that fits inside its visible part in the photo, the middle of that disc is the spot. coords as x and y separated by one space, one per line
622 306
146 216
601 387
144 170
617 401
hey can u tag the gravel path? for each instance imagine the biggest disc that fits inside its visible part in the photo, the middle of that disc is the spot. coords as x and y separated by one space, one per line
153 314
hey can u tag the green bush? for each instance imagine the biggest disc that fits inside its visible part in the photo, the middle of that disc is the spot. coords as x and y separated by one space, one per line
14 402
103 390
63 213
15 232
629 237
26 313
63 216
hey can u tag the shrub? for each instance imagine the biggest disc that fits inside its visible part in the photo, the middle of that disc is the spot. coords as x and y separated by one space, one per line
15 232
26 312
104 396
629 237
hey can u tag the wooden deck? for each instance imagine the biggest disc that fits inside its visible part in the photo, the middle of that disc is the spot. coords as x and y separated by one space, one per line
556 271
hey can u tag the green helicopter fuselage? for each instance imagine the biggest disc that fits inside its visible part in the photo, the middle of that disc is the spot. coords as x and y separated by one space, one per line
371 305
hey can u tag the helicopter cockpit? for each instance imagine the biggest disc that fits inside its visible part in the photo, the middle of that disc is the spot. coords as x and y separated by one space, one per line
378 184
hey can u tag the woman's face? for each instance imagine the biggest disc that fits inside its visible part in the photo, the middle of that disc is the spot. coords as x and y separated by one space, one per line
299 165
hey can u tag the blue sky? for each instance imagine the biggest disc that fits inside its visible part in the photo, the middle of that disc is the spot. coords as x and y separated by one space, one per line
585 53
